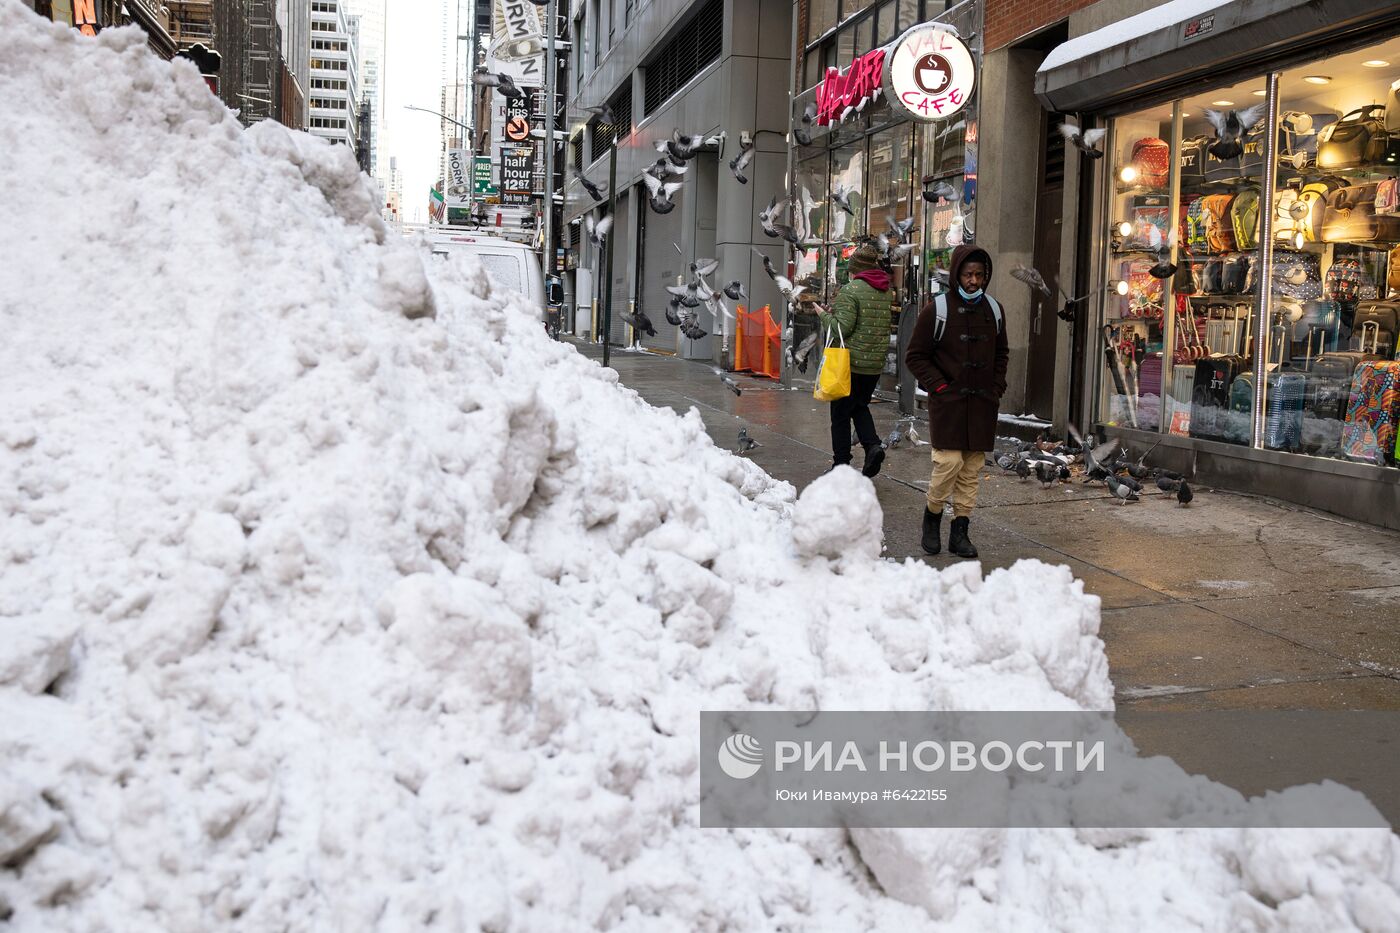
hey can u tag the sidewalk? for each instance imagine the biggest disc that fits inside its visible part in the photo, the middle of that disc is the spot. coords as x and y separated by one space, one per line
1232 603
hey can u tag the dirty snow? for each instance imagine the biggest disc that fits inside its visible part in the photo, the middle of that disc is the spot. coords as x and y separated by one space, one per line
336 596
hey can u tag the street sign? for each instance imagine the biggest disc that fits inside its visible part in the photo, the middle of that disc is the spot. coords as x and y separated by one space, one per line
481 176
517 175
517 129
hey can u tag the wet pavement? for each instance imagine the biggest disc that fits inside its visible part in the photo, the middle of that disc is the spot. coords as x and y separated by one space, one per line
1231 603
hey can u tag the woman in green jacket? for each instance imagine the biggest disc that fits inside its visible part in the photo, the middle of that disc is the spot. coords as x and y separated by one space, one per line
861 314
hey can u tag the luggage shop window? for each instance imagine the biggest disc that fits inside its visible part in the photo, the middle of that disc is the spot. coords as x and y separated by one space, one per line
1187 318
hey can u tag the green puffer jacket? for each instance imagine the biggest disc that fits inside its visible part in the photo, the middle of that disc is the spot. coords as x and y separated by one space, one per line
861 313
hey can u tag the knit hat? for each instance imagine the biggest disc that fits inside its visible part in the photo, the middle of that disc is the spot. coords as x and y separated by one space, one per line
865 258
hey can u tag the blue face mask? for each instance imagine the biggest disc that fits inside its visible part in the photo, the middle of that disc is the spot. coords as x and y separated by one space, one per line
970 296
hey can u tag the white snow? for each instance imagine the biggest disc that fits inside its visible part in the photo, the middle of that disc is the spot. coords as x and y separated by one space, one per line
1161 16
337 597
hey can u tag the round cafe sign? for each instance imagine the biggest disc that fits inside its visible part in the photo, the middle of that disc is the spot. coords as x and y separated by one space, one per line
929 73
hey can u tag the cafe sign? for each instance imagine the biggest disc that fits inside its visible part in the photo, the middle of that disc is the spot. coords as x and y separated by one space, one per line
929 73
842 89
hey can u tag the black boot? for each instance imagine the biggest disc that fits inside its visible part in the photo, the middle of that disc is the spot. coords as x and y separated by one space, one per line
958 542
874 456
932 522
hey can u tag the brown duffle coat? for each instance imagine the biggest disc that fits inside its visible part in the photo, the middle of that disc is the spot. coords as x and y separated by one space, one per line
964 373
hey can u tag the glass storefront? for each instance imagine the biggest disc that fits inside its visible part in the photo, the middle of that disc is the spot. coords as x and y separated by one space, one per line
1252 280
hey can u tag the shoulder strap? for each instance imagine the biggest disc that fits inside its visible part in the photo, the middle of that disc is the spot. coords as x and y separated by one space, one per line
940 309
996 310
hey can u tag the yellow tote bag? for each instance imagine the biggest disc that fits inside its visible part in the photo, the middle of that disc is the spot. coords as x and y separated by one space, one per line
834 377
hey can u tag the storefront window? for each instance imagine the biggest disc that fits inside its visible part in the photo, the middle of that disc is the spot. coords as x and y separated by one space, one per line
848 177
809 215
1334 321
884 29
908 15
821 16
850 8
1186 312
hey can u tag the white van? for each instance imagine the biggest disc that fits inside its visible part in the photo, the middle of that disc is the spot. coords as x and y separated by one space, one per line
509 264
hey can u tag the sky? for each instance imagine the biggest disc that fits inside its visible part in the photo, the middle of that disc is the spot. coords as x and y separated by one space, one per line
413 75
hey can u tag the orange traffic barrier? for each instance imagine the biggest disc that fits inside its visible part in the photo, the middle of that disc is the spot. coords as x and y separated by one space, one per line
757 343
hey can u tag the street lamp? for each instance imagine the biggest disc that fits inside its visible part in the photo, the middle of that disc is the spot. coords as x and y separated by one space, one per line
438 114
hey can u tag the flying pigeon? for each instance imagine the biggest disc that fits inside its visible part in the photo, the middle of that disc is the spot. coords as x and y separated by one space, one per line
1031 277
768 217
734 291
663 168
900 228
673 312
597 232
640 322
802 130
596 192
746 443
1230 127
841 195
659 193
1086 142
500 82
935 192
785 286
603 114
728 380
1163 268
704 266
800 356
740 163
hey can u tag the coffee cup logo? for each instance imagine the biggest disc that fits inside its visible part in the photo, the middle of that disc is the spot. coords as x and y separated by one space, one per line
932 73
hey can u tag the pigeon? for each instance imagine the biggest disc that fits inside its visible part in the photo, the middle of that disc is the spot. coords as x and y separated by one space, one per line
702 267
597 232
1230 127
1086 142
640 322
659 193
728 380
841 195
1128 481
734 291
901 430
1023 469
740 163
501 82
802 130
785 286
1031 277
1047 473
1007 463
1167 484
1168 474
934 192
746 443
663 167
900 228
673 312
768 220
1163 268
1094 457
596 192
1140 469
1183 494
682 146
687 295
800 356
1064 472
1121 491
603 115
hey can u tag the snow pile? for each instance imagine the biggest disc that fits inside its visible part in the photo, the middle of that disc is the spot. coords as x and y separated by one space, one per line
335 596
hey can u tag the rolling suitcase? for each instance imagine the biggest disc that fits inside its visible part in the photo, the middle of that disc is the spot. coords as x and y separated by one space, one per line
1368 435
1283 410
1210 396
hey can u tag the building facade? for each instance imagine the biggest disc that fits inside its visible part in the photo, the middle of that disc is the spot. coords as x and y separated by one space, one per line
333 100
92 16
294 19
698 67
373 34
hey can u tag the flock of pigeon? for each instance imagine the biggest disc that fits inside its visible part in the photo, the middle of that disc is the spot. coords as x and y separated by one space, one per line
1050 463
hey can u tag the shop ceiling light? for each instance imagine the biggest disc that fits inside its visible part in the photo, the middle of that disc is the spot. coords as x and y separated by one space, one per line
1375 63
1128 174
1261 93
1317 79
1222 103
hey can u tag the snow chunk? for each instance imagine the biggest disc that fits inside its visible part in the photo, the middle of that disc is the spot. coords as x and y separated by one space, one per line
838 516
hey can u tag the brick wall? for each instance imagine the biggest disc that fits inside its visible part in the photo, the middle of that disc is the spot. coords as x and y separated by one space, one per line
1005 21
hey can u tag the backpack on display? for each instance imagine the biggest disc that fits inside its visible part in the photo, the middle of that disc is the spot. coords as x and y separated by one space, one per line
1344 280
1298 134
1350 216
1314 195
1357 139
1244 218
1297 275
1220 235
1192 162
1212 277
1235 278
1195 226
1388 196
1252 157
1286 228
1152 159
1218 169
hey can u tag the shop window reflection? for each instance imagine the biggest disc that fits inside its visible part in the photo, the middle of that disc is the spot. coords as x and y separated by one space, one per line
1333 388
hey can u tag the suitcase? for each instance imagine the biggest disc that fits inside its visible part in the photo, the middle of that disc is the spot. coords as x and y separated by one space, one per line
1150 375
1283 410
1368 434
1376 324
1210 396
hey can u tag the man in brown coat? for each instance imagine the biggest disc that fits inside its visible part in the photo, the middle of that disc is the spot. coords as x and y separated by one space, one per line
958 353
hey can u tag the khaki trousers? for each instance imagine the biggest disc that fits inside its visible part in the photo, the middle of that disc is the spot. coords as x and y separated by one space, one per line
955 474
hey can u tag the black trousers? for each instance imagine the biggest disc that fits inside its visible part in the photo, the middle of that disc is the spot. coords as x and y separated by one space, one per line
854 407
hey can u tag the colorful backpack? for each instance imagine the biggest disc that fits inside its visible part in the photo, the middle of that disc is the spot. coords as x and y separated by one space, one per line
1388 196
1286 228
1152 159
1194 231
1314 195
1220 234
1244 218
1344 280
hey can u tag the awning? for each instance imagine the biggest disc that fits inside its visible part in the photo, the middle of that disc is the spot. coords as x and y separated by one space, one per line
1198 42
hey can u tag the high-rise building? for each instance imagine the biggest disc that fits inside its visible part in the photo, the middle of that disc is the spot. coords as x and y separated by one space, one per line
333 100
372 52
294 17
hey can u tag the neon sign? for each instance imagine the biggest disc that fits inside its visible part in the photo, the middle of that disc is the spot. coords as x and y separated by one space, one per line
839 90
